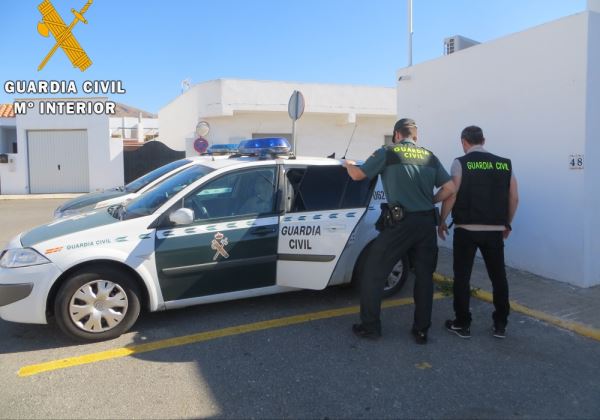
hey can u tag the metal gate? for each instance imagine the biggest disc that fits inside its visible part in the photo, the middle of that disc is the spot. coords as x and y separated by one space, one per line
150 156
58 161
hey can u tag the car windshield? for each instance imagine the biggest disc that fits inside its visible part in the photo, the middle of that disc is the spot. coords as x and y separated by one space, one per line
141 182
148 202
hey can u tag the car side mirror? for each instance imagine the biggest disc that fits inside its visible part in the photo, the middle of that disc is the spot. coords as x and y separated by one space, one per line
182 216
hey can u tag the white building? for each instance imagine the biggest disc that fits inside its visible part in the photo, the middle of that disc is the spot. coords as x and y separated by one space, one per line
59 153
241 109
536 94
133 124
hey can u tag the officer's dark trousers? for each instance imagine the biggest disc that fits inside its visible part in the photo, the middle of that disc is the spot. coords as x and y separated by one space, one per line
415 232
491 246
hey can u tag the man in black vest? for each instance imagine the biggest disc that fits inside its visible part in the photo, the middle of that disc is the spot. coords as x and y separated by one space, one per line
409 174
482 211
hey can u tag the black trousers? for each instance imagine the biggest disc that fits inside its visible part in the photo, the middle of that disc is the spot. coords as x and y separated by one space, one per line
415 232
491 246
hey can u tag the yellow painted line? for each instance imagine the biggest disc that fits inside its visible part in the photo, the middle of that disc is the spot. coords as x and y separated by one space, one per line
203 336
575 327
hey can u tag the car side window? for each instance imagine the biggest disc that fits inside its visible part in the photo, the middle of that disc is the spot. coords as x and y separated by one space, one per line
241 193
317 188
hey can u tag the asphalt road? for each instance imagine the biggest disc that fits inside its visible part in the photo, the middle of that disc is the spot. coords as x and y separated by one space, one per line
313 369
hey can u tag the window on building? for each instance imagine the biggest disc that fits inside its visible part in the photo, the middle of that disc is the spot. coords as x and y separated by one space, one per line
8 140
287 136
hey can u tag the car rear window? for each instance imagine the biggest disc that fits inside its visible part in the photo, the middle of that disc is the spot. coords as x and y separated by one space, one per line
318 188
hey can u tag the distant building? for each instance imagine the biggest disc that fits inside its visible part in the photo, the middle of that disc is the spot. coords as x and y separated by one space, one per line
134 126
241 109
68 153
536 94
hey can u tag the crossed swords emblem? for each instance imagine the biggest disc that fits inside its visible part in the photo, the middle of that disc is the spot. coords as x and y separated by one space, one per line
53 23
218 244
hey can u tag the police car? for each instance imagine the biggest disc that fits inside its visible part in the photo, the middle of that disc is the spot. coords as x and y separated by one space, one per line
101 199
258 223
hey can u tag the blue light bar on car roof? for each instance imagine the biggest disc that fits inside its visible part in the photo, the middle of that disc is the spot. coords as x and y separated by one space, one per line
222 149
264 146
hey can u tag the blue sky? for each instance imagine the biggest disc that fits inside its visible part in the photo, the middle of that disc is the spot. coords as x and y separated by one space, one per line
153 45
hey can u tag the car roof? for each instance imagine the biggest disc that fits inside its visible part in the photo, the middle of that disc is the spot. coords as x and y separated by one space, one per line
255 161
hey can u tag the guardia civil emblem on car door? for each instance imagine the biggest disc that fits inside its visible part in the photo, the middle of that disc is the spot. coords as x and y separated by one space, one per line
219 244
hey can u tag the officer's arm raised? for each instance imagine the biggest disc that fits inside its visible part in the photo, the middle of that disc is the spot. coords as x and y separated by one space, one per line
355 172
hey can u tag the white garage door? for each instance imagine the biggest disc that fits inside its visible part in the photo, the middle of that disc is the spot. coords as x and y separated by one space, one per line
58 161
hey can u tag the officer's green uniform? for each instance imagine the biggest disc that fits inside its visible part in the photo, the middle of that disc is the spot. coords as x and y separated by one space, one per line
409 174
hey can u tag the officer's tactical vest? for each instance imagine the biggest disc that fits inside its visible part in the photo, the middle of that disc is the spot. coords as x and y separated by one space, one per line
408 154
482 198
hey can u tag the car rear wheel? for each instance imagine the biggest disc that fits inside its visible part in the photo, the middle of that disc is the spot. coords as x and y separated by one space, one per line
98 305
397 276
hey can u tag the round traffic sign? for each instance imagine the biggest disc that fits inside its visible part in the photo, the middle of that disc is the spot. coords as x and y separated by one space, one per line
201 145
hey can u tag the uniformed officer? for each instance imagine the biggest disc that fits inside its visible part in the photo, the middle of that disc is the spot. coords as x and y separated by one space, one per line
482 211
409 174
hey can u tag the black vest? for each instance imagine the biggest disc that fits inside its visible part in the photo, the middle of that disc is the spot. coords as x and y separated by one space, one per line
482 198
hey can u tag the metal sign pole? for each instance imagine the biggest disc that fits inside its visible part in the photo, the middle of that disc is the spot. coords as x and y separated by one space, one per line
294 137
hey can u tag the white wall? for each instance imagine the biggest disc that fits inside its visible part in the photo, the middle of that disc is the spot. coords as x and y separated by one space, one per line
178 118
316 134
105 155
237 108
528 93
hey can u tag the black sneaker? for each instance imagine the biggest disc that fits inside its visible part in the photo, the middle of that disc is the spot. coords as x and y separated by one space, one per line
499 331
361 331
420 336
462 332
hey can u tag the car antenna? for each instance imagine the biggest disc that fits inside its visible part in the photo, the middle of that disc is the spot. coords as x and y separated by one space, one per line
350 141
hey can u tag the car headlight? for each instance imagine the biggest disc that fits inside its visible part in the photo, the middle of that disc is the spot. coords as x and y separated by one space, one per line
23 257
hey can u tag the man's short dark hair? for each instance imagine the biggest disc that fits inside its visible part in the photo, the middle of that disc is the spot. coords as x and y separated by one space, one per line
472 135
406 127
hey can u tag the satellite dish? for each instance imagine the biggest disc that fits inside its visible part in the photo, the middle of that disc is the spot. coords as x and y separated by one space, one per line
202 128
186 84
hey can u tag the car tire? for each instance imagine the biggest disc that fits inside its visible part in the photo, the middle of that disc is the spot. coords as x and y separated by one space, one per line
396 279
97 305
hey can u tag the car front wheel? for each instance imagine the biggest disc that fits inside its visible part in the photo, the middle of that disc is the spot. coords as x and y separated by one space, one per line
97 305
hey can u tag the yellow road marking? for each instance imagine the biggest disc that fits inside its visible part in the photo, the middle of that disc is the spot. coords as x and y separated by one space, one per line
203 336
534 313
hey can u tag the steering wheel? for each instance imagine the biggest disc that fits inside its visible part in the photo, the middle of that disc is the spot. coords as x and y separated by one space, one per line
200 211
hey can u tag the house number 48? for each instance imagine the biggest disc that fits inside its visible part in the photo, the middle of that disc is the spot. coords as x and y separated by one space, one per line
576 161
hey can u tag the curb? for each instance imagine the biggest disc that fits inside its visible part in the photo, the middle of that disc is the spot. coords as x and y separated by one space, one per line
38 196
575 327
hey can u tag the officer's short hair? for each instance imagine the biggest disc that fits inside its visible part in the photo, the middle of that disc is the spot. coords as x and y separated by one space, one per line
406 127
472 135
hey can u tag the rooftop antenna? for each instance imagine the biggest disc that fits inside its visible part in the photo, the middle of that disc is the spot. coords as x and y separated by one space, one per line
350 141
186 84
410 31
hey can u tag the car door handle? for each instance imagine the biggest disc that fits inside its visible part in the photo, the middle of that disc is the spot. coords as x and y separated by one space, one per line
262 230
335 228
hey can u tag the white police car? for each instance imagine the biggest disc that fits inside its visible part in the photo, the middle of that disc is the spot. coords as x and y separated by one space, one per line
221 230
139 186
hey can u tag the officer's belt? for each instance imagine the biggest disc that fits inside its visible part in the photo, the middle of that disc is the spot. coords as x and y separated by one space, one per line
420 213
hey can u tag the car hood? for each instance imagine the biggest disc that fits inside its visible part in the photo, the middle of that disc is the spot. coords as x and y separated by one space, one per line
66 226
90 199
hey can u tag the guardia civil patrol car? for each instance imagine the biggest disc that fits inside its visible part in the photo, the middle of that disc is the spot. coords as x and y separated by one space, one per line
260 222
